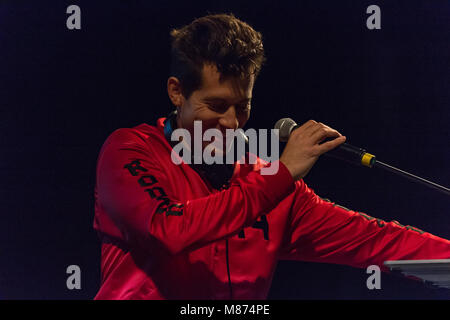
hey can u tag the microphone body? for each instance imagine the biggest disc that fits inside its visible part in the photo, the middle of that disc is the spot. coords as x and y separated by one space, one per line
357 156
344 152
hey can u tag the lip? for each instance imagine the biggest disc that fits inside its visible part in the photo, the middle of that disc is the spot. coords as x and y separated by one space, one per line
215 149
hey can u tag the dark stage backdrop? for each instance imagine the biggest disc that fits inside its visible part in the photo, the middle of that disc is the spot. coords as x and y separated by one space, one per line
62 92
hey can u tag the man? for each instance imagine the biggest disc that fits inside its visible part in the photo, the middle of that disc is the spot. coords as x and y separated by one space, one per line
180 231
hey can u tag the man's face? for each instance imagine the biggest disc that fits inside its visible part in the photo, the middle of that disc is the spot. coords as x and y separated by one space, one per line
221 104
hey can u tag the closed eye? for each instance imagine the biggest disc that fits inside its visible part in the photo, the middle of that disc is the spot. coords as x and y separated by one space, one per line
218 108
221 107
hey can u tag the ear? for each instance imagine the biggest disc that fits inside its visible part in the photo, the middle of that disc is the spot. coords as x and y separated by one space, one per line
174 92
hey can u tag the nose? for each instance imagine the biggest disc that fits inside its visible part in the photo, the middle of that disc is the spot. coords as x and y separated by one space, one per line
229 119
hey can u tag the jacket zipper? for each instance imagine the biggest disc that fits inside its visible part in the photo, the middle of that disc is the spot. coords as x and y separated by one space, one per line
228 271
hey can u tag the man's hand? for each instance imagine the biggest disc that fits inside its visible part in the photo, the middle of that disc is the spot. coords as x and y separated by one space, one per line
303 147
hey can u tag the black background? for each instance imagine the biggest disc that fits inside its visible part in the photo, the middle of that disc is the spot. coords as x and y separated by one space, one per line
62 92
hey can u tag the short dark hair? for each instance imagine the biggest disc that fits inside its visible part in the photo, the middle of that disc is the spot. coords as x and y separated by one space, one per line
230 44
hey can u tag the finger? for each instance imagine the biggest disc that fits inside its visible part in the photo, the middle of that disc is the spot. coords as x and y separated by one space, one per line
323 133
321 126
307 125
330 145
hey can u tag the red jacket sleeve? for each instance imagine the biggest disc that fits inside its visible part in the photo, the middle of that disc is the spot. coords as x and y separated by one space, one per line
146 218
322 231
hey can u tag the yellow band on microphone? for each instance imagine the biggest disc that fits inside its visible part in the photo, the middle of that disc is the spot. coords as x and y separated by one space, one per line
367 159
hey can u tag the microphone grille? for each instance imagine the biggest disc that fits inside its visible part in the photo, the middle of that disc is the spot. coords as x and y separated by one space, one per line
285 126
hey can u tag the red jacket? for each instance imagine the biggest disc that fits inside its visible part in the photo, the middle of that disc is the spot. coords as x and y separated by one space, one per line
167 234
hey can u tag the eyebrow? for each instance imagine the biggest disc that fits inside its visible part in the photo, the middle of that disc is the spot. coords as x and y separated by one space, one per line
222 100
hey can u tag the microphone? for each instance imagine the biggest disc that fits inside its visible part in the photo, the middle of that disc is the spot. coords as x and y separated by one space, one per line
344 152
357 156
